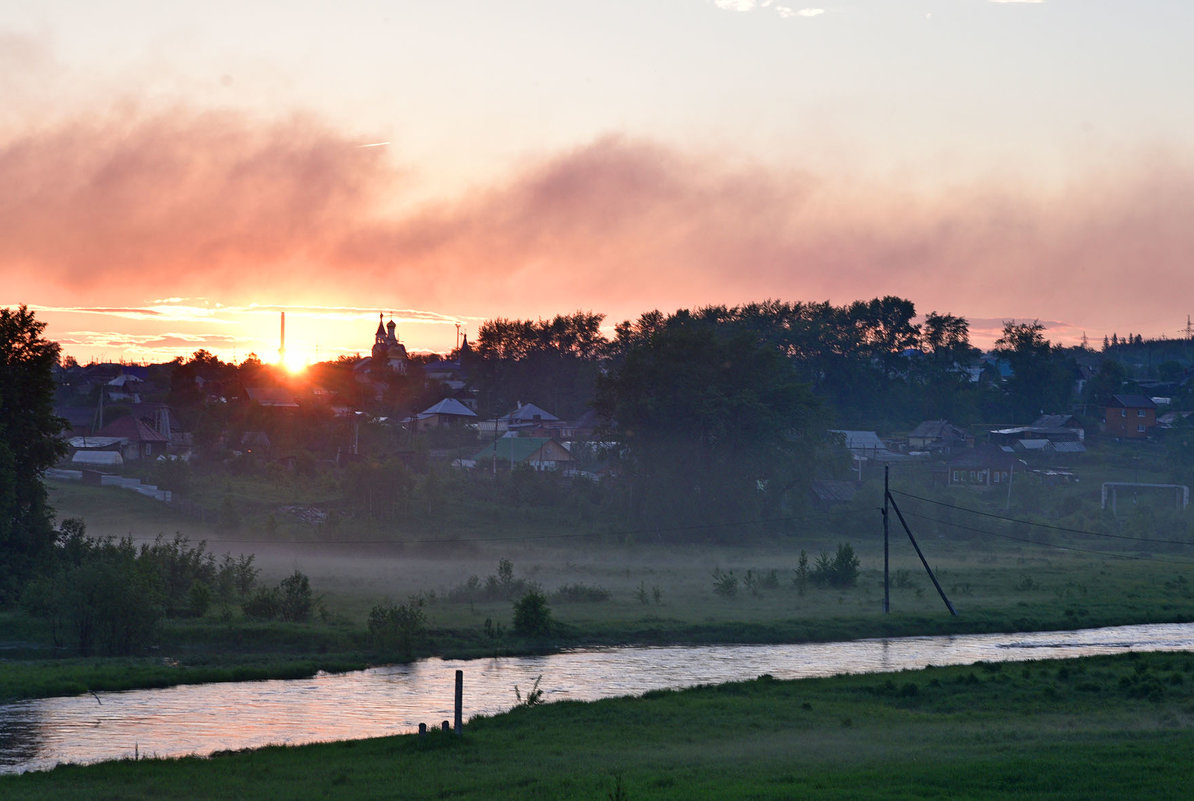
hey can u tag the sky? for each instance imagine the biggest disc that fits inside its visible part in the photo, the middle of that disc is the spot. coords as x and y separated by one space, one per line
175 175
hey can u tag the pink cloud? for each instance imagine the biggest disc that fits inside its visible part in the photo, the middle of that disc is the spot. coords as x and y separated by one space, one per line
119 210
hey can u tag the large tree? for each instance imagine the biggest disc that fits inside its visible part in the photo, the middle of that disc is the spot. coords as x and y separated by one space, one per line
1043 375
552 363
29 443
717 428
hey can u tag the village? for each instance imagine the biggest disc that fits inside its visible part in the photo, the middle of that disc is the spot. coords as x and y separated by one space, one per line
136 426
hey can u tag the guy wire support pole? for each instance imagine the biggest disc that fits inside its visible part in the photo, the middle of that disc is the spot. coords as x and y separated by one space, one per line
886 574
888 499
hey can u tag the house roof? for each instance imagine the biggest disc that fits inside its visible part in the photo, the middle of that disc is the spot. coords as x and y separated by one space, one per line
861 440
132 429
832 491
983 456
272 396
1132 402
937 429
95 443
528 413
1069 447
1049 421
519 449
448 406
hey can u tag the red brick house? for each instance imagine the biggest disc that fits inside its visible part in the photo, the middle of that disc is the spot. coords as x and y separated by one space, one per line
1129 416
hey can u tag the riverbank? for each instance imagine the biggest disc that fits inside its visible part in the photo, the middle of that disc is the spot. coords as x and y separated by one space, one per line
1097 727
207 660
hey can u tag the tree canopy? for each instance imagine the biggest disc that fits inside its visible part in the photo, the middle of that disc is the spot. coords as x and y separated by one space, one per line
716 425
29 443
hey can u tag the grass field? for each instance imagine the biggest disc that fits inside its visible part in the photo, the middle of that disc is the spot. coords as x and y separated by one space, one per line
1103 727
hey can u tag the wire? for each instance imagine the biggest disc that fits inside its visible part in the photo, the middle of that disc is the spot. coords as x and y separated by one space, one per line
1065 529
1111 554
618 533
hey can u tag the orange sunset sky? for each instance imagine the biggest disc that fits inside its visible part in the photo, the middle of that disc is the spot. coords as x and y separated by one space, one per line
172 178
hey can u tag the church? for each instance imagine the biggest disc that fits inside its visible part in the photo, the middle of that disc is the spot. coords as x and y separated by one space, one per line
388 352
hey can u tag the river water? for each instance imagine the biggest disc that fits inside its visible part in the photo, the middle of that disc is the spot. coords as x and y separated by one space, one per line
202 719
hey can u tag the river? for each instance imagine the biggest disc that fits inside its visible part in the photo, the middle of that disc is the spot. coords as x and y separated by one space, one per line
202 719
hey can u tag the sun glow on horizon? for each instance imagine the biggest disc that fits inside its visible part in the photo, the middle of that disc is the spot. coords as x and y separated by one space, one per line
295 362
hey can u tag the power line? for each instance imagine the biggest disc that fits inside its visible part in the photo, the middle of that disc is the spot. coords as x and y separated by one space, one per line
526 537
1111 554
1050 526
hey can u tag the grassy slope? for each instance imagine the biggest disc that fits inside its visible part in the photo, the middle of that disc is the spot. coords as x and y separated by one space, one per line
1097 728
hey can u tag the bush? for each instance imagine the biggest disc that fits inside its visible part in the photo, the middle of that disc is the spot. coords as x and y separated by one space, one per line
500 587
725 584
291 601
295 601
532 615
263 604
840 570
401 628
580 593
99 595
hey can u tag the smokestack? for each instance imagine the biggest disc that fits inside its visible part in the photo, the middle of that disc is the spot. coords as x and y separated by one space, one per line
282 346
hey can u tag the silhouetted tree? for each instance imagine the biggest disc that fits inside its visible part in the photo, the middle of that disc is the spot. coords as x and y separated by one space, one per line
29 444
1042 375
716 425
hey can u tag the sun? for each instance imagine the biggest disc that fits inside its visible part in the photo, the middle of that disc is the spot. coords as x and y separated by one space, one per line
295 361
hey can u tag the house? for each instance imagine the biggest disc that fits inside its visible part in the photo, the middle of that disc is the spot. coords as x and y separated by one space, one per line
272 397
863 444
163 419
447 413
938 436
540 453
139 440
1053 428
527 415
1129 416
97 451
983 466
830 492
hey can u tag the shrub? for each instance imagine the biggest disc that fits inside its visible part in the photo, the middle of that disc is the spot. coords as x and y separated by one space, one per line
99 595
401 628
262 605
500 587
580 593
532 615
295 602
840 570
802 573
725 584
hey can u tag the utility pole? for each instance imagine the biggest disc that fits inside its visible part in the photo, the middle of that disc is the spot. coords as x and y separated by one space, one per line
888 499
886 532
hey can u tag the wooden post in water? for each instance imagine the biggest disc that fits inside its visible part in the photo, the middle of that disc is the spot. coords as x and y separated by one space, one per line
422 729
459 702
445 727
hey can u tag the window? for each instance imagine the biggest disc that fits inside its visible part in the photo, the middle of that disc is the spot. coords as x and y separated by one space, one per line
1123 412
1140 429
1140 412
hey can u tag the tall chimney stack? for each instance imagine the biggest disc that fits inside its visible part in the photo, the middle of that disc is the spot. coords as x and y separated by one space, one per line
282 346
